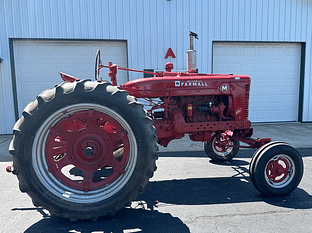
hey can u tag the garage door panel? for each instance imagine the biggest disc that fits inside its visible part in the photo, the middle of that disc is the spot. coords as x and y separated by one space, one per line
25 50
234 51
249 51
81 67
249 66
80 50
45 68
37 63
44 50
274 69
289 83
26 68
276 99
262 83
263 51
276 82
276 66
234 66
62 49
261 115
26 86
278 50
65 67
219 66
262 99
263 67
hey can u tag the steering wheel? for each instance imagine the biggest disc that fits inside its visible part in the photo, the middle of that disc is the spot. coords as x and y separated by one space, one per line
98 64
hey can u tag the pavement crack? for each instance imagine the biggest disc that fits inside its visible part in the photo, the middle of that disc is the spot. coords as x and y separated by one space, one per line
236 215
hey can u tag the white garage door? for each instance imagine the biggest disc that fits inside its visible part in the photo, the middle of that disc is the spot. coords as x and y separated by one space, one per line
37 63
274 69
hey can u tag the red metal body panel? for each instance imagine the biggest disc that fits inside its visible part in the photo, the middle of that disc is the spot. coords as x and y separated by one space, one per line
184 96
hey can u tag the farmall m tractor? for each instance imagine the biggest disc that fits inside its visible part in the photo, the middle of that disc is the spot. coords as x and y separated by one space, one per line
86 148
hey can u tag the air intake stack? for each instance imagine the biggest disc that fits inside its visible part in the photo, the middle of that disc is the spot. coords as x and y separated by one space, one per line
191 54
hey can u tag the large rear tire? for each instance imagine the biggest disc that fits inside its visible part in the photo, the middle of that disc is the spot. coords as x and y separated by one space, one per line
84 149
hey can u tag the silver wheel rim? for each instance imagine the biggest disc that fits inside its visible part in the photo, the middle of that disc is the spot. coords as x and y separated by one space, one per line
218 150
280 181
62 191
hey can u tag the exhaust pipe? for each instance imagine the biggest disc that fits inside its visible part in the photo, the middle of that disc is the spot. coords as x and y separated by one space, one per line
191 54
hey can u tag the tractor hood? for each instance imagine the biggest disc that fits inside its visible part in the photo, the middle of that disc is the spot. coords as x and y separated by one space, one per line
179 84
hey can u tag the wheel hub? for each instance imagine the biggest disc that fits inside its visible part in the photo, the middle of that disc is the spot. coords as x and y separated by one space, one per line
278 170
90 148
89 151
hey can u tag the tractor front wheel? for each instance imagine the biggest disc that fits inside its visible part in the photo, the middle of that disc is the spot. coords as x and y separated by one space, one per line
276 169
220 148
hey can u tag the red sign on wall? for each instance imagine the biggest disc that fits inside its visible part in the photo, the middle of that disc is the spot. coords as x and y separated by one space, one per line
170 53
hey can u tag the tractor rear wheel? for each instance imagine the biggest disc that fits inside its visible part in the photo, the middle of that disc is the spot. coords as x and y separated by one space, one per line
84 149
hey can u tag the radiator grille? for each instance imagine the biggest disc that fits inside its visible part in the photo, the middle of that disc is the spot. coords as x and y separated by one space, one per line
247 93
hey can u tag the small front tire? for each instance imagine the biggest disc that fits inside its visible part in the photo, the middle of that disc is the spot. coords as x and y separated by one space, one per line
277 170
217 148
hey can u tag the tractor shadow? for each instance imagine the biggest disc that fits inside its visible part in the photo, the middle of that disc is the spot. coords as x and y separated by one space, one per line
126 220
214 191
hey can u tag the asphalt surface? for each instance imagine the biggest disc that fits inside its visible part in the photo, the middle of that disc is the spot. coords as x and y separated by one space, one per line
188 193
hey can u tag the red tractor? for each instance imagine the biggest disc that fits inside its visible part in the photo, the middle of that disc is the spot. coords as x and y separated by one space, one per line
87 148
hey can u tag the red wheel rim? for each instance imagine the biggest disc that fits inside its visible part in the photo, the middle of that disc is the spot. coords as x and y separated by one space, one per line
87 150
221 146
278 170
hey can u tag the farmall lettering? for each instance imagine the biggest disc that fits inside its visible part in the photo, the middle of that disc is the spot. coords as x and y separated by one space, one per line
191 83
